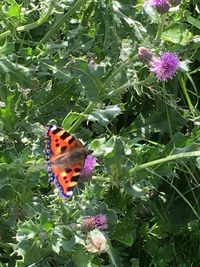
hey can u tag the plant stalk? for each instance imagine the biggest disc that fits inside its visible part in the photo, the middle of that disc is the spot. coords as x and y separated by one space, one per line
167 110
187 97
163 160
60 21
161 26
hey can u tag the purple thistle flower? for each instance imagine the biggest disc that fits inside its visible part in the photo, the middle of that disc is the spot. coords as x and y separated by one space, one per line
174 2
101 221
162 6
165 66
91 222
144 54
89 165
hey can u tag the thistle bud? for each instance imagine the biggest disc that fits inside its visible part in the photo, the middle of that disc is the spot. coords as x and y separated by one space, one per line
144 54
91 222
96 242
162 6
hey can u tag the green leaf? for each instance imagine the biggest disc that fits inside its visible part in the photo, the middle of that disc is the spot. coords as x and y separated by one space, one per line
7 114
114 151
68 245
194 22
134 190
105 116
56 247
14 10
7 192
29 251
58 70
89 79
177 35
6 49
81 257
70 119
18 72
125 231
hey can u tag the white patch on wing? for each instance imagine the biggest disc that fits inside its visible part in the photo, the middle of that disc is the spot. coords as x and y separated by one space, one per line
69 193
54 127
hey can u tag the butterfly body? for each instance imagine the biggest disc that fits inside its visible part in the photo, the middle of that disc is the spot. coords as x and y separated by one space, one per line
65 156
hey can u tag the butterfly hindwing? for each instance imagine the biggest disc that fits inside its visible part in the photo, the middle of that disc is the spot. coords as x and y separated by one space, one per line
65 156
66 180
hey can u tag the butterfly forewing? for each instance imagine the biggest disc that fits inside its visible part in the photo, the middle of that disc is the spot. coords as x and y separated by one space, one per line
65 155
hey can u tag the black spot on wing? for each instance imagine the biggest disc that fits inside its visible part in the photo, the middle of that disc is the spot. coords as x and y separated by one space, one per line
70 188
57 130
63 149
64 135
68 170
75 178
71 140
77 169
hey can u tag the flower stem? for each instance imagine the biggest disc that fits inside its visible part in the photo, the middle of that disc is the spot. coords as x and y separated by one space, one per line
184 90
111 253
83 117
167 111
163 160
60 21
5 34
160 27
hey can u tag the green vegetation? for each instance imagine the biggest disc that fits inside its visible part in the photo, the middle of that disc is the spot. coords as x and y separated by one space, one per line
75 64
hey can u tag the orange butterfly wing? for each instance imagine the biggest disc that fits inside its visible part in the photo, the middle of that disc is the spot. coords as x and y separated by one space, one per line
65 156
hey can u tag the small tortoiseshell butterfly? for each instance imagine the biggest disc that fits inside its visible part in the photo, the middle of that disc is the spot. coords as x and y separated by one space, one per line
65 156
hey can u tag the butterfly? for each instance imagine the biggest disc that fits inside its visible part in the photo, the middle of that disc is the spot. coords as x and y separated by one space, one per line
65 156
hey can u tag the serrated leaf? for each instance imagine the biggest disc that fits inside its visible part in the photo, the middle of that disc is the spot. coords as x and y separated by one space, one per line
59 71
89 79
123 233
105 116
18 72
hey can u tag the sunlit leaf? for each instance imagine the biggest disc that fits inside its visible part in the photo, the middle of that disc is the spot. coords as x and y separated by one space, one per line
177 35
70 119
14 10
105 116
